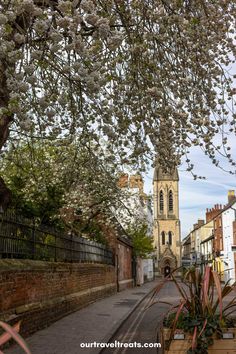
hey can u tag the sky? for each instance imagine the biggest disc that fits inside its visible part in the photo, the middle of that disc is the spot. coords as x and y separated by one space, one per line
197 195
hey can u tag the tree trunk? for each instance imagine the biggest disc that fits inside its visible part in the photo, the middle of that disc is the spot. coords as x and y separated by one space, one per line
5 195
5 120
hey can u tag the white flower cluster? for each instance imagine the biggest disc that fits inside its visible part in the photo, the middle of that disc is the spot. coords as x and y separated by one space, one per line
148 77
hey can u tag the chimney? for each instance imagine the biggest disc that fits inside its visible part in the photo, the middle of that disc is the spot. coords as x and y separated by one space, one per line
211 213
136 181
123 181
200 222
231 195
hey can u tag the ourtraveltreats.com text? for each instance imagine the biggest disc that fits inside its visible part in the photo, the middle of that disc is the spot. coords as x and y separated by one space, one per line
118 344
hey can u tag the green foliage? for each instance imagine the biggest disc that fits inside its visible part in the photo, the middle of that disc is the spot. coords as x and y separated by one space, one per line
92 230
35 193
142 243
46 176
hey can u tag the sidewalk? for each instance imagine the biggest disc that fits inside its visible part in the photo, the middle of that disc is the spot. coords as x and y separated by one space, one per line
96 322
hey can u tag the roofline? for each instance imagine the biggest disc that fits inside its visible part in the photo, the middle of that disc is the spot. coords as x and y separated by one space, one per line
208 239
228 206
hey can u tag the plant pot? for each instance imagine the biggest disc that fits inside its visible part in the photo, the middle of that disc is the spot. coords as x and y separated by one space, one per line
180 346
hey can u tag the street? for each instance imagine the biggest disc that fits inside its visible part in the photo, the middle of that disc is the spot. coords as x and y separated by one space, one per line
142 325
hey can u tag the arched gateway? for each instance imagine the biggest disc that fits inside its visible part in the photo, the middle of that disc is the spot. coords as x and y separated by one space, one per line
168 262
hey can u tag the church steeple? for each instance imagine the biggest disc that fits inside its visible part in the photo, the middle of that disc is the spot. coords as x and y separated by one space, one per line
166 217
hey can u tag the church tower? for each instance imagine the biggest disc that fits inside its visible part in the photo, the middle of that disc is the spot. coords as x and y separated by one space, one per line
166 220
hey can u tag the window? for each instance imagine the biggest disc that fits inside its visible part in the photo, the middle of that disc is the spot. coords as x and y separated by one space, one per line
170 238
170 201
161 202
163 238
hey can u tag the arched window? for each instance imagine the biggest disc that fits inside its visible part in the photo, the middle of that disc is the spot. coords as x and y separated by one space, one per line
161 202
170 238
163 238
170 201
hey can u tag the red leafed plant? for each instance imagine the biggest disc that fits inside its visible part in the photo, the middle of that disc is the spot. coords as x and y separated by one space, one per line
201 311
12 332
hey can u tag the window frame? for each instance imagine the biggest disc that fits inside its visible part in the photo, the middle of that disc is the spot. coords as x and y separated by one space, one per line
161 202
170 238
163 238
170 202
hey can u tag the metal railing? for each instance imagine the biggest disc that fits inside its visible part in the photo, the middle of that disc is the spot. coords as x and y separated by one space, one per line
21 238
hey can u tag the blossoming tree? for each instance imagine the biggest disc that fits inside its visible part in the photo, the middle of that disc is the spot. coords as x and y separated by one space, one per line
135 73
61 182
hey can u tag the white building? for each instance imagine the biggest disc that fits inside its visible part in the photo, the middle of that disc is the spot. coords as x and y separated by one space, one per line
228 219
137 208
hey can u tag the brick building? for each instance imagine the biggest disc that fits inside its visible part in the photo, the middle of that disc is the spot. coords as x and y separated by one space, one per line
214 242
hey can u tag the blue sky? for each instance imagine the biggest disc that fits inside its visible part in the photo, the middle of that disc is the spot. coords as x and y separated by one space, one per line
197 195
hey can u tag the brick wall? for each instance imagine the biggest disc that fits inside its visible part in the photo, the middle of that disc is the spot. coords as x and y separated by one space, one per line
213 212
123 256
124 260
40 293
218 234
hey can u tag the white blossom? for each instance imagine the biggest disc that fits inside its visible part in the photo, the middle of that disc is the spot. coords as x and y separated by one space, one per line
64 22
87 5
152 78
19 38
51 113
92 19
64 6
43 102
23 87
32 79
26 124
3 19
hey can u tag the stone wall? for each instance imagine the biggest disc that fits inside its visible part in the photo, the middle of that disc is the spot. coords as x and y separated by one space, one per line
39 293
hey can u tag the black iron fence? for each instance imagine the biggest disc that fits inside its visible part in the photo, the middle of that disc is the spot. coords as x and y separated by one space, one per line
21 238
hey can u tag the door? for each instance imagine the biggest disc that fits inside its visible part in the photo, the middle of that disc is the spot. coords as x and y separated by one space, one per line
117 272
166 271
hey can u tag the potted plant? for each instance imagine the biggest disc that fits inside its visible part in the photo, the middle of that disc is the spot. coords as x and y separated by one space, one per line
12 333
202 317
